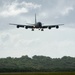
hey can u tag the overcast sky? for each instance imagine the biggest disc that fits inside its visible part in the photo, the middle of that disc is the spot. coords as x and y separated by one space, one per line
53 43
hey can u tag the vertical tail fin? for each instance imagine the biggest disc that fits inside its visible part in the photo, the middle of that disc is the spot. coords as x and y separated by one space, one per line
35 18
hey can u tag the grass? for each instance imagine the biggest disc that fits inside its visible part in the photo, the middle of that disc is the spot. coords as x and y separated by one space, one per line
40 73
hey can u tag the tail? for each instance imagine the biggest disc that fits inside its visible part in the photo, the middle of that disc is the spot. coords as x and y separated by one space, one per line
35 19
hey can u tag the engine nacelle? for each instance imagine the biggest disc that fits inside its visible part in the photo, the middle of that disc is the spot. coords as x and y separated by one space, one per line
57 27
17 26
26 27
49 27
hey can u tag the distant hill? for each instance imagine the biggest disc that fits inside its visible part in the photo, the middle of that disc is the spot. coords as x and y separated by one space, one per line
37 64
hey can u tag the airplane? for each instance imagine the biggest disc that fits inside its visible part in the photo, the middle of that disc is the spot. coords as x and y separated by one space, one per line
37 25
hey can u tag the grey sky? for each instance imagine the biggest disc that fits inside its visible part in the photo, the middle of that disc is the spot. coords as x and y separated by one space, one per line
54 43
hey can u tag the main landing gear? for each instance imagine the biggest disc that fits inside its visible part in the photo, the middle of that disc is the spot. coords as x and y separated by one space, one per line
32 29
42 29
39 29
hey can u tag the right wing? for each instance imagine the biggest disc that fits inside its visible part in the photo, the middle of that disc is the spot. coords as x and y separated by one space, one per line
52 26
20 25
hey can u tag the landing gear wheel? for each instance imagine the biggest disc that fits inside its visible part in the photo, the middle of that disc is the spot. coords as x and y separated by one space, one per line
32 29
42 30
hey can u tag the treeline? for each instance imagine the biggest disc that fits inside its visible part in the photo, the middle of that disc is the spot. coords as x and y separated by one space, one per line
37 64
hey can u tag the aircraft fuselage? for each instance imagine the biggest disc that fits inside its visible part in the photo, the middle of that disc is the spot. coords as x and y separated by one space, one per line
38 25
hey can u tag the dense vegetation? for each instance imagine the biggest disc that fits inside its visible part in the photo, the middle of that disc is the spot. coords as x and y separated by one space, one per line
37 64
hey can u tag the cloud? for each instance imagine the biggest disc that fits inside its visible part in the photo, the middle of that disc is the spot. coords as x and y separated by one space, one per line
67 10
14 44
15 8
18 42
65 7
53 12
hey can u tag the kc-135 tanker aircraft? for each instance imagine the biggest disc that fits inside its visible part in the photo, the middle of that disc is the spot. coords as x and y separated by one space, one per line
37 25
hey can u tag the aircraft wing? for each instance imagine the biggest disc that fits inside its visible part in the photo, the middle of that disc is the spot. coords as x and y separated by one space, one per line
52 26
20 25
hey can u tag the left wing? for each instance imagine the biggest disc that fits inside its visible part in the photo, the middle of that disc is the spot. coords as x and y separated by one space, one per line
26 26
52 26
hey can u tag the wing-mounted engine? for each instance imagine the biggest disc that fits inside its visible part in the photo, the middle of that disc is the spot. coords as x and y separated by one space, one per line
26 27
17 26
57 27
49 27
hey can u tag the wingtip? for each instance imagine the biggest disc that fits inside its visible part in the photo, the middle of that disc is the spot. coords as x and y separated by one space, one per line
9 23
61 24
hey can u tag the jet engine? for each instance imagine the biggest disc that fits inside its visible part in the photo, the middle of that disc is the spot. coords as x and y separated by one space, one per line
49 27
17 26
26 27
57 27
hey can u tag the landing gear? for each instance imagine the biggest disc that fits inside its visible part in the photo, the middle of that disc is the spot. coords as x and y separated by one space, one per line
32 29
39 29
42 29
